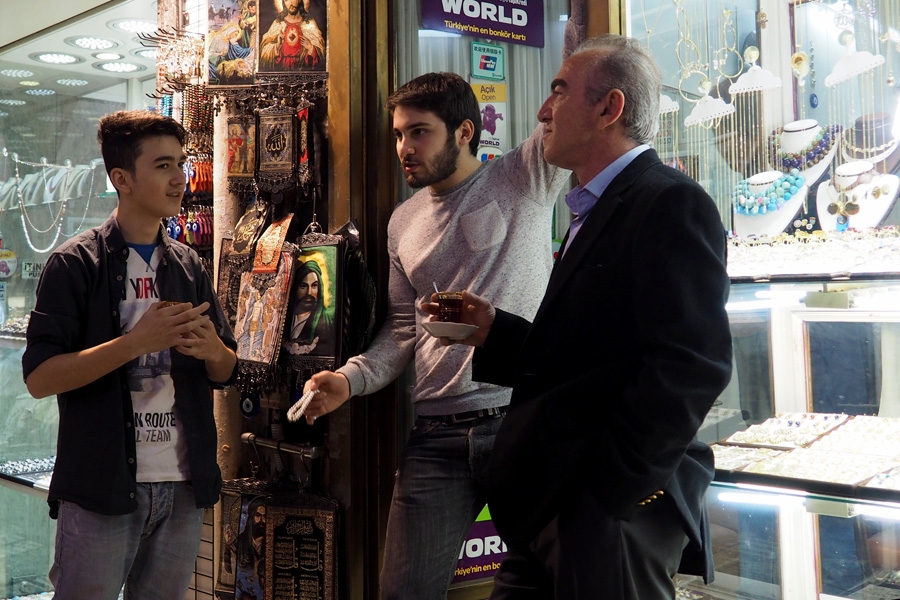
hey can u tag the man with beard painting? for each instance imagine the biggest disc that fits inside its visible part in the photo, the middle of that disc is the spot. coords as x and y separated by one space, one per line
312 330
294 40
471 225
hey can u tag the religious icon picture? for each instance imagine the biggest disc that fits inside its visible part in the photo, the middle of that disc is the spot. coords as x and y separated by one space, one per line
231 42
241 147
310 327
292 35
260 312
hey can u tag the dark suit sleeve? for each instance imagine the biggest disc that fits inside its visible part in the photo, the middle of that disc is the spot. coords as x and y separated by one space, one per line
498 361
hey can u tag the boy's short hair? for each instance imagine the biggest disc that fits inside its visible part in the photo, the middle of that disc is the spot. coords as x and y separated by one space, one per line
121 133
445 94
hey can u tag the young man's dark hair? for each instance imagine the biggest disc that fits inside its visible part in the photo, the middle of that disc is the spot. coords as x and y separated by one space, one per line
120 135
445 94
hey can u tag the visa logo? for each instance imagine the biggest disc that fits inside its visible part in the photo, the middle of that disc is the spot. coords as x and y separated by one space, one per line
488 63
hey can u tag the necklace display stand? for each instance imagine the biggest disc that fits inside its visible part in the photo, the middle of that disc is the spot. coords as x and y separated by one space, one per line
772 222
799 135
857 197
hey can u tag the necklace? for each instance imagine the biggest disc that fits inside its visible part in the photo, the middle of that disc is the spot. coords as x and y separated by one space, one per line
771 199
815 151
23 214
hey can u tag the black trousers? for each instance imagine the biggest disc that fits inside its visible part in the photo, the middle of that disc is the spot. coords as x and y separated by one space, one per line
584 554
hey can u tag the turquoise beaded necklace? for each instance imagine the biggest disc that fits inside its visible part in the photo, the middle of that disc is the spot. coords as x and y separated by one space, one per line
771 199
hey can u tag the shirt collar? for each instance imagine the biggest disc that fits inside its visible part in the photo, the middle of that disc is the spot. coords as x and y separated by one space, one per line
583 198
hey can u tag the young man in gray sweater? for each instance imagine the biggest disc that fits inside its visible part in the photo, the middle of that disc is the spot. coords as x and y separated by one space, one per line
472 225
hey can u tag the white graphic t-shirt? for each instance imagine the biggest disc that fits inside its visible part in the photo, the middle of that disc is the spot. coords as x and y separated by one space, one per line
159 435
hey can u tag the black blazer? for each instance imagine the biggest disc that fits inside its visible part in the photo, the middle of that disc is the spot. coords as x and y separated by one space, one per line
627 353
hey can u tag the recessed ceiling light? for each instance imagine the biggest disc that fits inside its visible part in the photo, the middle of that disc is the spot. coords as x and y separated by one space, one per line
3 114
11 102
134 25
29 83
56 58
108 56
17 73
72 82
119 67
39 92
148 53
28 135
91 43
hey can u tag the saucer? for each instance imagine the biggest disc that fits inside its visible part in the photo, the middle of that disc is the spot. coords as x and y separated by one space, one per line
454 331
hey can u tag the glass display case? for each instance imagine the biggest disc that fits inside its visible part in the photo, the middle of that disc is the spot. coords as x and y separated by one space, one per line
806 500
786 112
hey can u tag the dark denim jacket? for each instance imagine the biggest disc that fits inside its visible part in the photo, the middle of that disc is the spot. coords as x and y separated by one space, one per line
77 307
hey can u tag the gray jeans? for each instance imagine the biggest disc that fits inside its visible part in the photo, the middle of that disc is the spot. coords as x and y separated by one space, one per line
438 493
150 551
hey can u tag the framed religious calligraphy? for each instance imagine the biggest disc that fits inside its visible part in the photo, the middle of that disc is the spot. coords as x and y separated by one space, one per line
277 149
292 35
300 552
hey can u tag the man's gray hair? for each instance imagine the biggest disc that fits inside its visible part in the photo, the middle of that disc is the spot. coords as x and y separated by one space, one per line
624 64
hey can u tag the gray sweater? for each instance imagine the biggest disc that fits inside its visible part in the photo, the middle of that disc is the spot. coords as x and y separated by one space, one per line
491 234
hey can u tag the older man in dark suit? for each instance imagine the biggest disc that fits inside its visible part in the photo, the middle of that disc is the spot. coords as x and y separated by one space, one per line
598 481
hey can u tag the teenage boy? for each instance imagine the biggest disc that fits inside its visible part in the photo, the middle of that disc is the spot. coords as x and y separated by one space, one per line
128 334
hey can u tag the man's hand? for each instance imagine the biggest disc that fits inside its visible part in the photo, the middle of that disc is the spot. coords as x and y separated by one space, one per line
475 311
334 390
166 326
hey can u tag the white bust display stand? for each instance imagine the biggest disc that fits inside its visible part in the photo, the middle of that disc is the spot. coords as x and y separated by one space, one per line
795 136
872 209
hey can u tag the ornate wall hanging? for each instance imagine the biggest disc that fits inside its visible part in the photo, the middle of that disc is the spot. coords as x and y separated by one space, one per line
231 42
241 154
277 148
292 36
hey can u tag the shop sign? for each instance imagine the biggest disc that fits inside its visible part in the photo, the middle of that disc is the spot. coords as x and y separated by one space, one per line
32 269
494 133
481 553
488 61
515 21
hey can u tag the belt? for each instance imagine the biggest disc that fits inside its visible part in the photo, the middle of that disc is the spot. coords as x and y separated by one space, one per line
466 417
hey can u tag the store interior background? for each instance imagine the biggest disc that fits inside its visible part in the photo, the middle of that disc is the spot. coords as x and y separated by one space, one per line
783 362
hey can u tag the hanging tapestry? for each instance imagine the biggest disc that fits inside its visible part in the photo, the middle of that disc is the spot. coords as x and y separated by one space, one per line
269 245
241 154
276 149
231 43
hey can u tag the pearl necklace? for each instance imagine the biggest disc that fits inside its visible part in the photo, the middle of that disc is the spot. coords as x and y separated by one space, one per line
815 151
771 199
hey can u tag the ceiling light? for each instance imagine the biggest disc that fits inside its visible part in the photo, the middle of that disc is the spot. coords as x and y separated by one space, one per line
148 53
91 43
56 58
72 82
3 114
29 83
134 26
39 92
108 56
10 102
17 73
119 67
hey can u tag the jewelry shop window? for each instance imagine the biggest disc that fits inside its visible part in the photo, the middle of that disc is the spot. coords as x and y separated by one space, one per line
54 86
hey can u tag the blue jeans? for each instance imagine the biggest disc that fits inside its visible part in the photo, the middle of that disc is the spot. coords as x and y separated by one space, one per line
438 493
150 551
